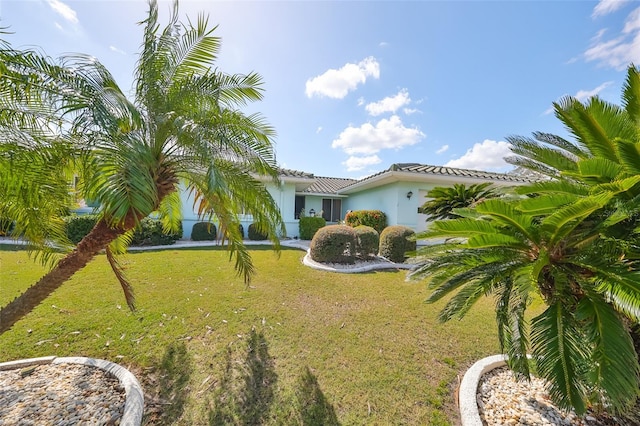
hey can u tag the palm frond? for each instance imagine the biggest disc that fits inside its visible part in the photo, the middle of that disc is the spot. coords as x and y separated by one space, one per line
566 219
573 148
614 362
551 157
554 187
621 287
629 155
560 356
505 212
124 283
631 94
512 334
545 204
170 211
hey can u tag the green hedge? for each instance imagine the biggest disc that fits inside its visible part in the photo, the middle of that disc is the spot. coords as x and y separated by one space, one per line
373 218
308 226
394 243
255 234
149 233
204 231
334 244
77 227
368 241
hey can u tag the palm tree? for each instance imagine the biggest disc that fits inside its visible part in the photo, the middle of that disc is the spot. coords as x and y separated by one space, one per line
508 250
443 199
183 127
573 242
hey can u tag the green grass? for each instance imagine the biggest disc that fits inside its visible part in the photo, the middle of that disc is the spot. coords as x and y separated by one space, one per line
299 346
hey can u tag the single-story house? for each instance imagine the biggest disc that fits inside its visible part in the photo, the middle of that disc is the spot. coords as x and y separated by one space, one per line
398 191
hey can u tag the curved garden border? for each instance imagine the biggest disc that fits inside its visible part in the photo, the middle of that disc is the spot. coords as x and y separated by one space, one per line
380 264
134 396
467 398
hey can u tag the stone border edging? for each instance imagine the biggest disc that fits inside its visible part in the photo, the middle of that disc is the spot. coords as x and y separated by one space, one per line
134 397
307 261
467 397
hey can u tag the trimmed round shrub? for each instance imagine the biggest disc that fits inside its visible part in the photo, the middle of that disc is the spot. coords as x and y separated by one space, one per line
368 241
394 243
334 244
308 226
255 234
77 227
204 231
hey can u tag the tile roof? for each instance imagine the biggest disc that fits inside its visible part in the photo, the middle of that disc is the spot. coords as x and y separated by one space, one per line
295 173
450 171
328 185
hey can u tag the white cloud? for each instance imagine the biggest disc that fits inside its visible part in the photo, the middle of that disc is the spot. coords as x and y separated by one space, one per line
442 149
337 83
115 49
487 156
621 50
583 95
64 10
319 129
355 164
389 104
409 111
604 7
369 139
360 101
632 22
383 44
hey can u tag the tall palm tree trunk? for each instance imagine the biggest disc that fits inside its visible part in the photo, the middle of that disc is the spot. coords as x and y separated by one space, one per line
95 241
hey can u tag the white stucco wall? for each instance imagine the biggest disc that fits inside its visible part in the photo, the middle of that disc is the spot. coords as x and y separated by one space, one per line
392 200
284 196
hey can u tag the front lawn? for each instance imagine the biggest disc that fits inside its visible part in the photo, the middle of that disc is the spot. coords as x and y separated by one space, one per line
299 346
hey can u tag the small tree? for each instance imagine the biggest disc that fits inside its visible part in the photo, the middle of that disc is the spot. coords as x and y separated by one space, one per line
373 218
184 123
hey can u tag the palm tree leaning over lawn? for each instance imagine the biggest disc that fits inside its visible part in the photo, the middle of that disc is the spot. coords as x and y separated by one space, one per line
183 126
573 242
443 200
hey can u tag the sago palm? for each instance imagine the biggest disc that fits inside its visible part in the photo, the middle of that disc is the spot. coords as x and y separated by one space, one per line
443 200
507 250
183 127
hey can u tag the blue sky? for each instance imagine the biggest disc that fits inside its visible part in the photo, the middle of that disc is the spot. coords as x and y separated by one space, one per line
355 86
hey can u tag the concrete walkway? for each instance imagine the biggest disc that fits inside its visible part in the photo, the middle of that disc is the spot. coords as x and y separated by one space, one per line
299 244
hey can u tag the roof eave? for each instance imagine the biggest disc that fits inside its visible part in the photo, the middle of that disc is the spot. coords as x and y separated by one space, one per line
400 176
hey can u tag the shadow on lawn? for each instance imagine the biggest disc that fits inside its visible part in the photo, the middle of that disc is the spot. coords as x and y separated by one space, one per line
170 379
246 389
246 392
313 407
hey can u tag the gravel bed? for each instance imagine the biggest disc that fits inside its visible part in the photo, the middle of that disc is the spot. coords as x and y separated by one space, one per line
502 400
60 394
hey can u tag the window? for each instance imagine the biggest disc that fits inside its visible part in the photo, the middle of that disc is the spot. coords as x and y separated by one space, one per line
299 206
331 209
